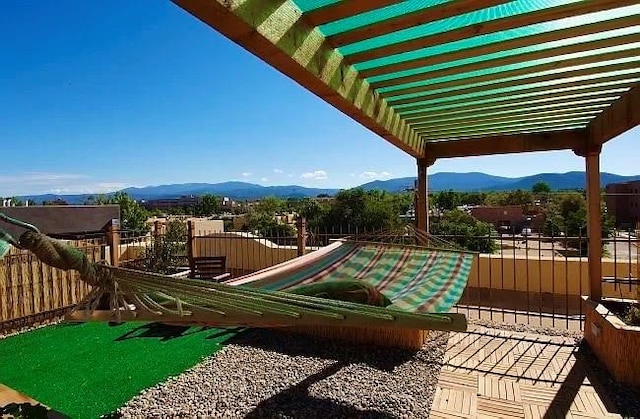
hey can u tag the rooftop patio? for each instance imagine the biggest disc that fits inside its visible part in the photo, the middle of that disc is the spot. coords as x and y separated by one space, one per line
442 79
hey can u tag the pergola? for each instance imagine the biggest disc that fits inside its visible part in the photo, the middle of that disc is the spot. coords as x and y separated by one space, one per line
453 78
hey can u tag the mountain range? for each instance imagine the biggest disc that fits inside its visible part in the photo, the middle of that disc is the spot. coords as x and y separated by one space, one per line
463 182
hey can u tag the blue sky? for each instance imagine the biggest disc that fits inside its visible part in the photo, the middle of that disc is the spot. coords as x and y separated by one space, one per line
100 95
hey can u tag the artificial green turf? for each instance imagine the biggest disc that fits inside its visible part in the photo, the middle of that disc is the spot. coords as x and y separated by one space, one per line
90 369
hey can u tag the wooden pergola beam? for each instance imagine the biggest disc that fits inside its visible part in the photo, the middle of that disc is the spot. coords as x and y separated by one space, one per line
465 71
508 114
548 82
504 144
409 20
525 41
511 97
558 54
276 32
621 116
492 26
518 103
344 9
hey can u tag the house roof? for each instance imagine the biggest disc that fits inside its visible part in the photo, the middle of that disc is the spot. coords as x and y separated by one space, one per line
62 220
446 78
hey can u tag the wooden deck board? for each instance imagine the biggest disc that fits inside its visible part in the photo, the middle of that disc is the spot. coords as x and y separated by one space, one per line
501 374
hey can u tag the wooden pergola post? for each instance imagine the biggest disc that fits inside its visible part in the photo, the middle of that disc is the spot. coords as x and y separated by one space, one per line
591 154
422 195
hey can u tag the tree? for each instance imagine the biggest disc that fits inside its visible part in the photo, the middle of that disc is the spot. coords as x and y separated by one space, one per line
358 210
270 205
541 188
209 205
567 214
465 230
133 216
167 252
446 200
517 197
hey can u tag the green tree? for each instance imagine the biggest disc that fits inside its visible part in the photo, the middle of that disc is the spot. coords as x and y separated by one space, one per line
516 197
473 198
541 188
209 205
446 200
465 230
270 205
357 210
567 214
167 252
133 216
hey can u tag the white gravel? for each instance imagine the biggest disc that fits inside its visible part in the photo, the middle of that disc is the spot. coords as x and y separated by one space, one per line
267 374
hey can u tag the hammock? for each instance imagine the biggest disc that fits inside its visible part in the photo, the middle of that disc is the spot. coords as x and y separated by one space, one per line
415 279
421 283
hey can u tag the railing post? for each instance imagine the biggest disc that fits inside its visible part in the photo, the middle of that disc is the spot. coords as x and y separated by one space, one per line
157 229
191 236
301 225
113 235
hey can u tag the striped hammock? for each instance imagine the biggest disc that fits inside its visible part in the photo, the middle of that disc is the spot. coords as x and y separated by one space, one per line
415 279
421 283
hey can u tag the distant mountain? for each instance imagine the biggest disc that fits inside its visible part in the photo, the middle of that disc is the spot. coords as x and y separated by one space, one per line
235 190
558 181
473 181
443 181
465 182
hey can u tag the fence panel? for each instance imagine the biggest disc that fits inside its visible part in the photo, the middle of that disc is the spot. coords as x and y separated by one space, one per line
31 291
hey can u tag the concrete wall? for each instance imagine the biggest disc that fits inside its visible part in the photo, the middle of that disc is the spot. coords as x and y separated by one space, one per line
244 251
546 275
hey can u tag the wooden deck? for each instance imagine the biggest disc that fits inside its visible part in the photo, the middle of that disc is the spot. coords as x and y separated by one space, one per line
490 373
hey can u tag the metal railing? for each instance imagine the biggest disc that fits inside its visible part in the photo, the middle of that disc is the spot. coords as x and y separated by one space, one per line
532 279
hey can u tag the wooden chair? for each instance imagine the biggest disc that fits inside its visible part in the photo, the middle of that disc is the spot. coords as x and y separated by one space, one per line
209 268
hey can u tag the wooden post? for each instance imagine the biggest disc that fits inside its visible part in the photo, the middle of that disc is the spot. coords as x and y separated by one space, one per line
422 195
191 238
594 223
301 225
113 234
157 228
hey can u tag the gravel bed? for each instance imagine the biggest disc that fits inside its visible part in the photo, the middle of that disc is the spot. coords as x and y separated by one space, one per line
268 374
525 328
626 398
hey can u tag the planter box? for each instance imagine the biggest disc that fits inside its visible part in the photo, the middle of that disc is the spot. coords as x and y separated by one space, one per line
616 344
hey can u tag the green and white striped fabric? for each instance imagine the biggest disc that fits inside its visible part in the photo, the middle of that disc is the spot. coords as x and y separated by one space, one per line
415 279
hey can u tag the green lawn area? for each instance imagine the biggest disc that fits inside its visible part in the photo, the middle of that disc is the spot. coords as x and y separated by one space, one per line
90 369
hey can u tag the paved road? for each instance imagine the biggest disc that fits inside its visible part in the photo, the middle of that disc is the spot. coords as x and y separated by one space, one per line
624 248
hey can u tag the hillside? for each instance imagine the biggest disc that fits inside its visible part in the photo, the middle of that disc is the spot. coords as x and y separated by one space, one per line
473 181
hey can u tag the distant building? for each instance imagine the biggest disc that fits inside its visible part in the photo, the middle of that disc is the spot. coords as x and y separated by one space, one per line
509 218
623 203
182 202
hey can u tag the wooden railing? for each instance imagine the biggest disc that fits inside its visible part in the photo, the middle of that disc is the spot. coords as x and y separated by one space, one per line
31 291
